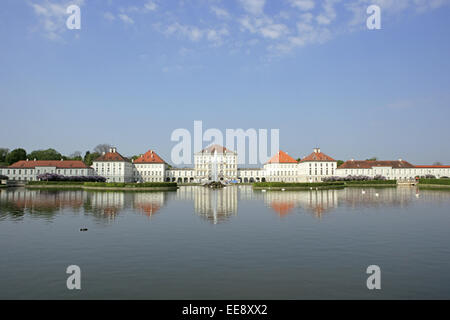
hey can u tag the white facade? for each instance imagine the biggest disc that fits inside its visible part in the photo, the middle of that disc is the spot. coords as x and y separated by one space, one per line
114 167
217 158
392 170
29 170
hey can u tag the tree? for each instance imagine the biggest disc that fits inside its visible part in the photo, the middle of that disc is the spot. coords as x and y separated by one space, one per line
102 148
372 159
49 154
437 163
76 156
90 157
135 157
339 163
16 155
3 154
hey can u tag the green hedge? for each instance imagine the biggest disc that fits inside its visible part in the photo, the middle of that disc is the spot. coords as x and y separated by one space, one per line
296 184
131 185
37 183
372 182
435 181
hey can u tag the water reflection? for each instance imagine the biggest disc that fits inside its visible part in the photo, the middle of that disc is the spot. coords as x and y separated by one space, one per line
215 206
316 202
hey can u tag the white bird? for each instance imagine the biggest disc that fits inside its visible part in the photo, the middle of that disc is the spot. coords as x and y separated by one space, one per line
417 195
377 195
283 189
263 190
363 192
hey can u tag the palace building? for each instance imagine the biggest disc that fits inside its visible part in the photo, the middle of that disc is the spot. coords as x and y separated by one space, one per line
28 170
219 163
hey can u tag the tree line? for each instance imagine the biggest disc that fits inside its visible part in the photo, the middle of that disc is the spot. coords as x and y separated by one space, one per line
8 157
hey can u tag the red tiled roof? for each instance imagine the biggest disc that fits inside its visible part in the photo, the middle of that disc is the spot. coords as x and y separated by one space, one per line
112 156
215 147
149 157
432 166
282 157
65 164
367 164
317 156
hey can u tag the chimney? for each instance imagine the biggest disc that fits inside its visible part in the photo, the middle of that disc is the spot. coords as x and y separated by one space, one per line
103 153
34 159
62 159
400 159
353 159
27 159
316 150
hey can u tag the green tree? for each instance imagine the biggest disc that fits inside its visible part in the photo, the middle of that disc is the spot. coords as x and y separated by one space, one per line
90 157
339 163
372 159
16 155
49 154
3 154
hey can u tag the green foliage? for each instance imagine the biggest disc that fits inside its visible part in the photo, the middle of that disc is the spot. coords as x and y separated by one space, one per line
49 154
90 157
16 155
371 182
435 181
131 185
3 153
296 184
339 162
36 183
372 159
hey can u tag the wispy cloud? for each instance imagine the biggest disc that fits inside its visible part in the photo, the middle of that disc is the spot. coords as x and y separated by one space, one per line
254 7
196 34
125 18
303 4
220 12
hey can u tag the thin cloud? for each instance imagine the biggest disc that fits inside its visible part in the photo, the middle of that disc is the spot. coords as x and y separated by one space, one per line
126 19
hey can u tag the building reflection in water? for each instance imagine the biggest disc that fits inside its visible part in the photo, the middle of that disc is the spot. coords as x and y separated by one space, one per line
40 202
149 203
316 202
214 206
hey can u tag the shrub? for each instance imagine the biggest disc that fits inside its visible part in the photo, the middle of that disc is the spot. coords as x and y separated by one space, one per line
355 178
58 177
372 182
2 177
55 183
130 185
435 181
296 184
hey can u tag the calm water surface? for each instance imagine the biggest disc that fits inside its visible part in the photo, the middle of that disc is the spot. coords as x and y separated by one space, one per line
234 243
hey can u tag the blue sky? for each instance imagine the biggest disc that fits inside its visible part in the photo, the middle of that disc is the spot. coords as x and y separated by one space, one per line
137 70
